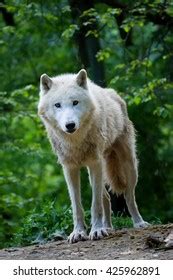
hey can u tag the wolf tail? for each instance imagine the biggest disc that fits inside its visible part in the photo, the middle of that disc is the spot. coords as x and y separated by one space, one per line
121 163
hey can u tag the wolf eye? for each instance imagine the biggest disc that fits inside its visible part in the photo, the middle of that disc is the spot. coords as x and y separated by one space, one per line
58 105
75 102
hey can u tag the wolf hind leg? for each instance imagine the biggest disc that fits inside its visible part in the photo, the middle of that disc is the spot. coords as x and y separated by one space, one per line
106 210
122 171
137 219
129 194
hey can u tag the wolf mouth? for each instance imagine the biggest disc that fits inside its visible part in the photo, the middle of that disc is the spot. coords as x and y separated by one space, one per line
71 131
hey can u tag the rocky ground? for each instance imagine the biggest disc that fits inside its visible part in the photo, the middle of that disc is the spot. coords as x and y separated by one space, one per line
123 244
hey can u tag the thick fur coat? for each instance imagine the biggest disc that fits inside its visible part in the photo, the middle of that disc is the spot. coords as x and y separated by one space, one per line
89 126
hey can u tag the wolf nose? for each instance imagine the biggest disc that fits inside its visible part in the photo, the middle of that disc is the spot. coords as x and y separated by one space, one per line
70 127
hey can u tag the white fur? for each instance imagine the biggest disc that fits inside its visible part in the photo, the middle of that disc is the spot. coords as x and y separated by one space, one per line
103 141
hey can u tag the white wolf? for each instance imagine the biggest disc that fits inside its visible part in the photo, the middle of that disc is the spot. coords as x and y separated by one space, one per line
88 126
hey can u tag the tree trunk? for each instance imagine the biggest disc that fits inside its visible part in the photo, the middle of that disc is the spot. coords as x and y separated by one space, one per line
89 45
7 16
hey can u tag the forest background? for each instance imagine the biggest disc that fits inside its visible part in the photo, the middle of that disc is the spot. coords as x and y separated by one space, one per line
126 45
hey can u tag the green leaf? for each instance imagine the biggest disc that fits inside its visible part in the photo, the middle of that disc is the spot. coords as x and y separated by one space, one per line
68 33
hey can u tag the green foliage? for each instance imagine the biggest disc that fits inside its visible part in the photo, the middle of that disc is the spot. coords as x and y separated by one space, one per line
137 55
69 32
121 222
44 223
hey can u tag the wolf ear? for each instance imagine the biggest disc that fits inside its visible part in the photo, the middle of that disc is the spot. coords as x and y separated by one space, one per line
45 83
82 78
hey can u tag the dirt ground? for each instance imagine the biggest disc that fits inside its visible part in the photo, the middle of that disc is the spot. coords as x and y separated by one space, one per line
123 244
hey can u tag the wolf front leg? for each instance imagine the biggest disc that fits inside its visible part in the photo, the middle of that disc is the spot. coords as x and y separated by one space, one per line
72 176
98 229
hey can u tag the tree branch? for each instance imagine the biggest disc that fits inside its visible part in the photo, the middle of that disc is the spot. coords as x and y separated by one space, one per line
161 17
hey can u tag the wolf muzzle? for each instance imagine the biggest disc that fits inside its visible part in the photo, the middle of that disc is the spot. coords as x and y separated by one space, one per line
70 127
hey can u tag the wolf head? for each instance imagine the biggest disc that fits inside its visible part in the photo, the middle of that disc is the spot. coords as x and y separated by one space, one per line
65 101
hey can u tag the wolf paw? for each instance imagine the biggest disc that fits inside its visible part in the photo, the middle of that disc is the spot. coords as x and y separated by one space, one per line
142 224
98 233
77 235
